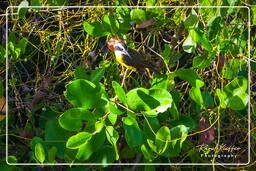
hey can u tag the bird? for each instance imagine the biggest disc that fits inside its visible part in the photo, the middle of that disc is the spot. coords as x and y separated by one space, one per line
129 58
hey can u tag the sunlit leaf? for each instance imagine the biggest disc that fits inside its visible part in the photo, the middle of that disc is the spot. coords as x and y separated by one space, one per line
76 141
39 152
190 76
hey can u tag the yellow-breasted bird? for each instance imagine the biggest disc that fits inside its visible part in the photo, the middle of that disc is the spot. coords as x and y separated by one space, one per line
128 57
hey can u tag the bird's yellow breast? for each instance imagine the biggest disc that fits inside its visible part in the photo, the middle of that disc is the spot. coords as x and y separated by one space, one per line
120 57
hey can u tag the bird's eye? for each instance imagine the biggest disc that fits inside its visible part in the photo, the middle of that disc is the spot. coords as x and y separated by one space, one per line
119 48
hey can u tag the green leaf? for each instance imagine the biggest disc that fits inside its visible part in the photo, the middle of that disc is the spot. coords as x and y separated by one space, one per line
203 40
22 10
52 154
195 94
164 81
112 136
208 99
166 53
12 159
149 101
119 92
162 137
178 136
152 124
233 67
2 92
204 61
36 3
138 15
187 121
37 149
76 141
104 155
214 26
111 23
191 21
71 120
133 134
97 75
80 73
190 76
99 125
95 29
147 153
22 45
189 45
55 136
91 146
83 93
39 152
234 94
2 54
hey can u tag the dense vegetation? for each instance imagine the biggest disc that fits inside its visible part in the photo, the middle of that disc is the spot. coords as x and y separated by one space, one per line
70 101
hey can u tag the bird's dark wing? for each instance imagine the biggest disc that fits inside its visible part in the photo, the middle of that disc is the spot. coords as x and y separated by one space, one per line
137 60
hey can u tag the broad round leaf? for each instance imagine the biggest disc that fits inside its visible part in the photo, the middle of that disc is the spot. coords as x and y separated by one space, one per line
149 101
91 146
76 141
138 15
162 137
55 136
95 29
179 132
190 76
234 94
83 93
71 120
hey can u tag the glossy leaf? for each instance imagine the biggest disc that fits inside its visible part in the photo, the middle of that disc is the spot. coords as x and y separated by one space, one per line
95 29
147 153
76 141
178 136
133 134
97 75
22 10
83 93
190 76
91 146
39 152
149 101
196 96
138 15
80 73
112 136
55 136
71 120
191 21
162 137
190 43
234 94
112 24
119 92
